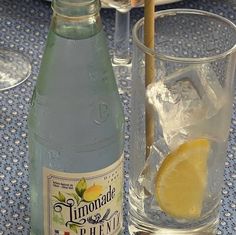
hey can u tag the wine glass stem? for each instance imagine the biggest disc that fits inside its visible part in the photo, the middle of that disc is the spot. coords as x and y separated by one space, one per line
121 54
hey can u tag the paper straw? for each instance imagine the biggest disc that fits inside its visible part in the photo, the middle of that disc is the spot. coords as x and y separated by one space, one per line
149 9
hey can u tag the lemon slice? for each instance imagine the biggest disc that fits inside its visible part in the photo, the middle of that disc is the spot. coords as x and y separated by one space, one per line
181 180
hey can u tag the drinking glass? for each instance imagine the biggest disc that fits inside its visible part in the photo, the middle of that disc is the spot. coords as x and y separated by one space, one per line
14 69
180 122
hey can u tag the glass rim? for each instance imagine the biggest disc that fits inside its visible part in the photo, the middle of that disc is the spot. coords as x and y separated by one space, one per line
187 60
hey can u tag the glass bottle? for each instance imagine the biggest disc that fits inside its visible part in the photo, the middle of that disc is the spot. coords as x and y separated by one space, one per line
76 129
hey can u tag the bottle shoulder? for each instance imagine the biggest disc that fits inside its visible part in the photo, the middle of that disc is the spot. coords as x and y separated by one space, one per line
76 66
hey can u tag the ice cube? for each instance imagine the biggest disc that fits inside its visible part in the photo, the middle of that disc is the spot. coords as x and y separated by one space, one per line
158 152
183 99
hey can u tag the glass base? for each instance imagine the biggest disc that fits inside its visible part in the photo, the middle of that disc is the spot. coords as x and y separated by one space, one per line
14 69
117 61
139 227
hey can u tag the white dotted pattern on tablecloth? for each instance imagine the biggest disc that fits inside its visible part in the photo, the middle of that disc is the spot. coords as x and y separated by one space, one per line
24 27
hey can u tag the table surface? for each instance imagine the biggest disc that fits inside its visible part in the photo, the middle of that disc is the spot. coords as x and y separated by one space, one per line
23 27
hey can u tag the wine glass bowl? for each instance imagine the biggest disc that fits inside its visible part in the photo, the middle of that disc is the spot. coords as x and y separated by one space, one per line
121 5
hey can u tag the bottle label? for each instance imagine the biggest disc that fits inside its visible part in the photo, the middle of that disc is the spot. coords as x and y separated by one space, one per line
83 203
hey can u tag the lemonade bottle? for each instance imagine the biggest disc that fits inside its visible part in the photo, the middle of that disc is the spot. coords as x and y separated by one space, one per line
76 129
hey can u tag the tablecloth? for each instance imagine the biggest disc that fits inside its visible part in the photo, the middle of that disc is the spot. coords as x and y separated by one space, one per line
24 27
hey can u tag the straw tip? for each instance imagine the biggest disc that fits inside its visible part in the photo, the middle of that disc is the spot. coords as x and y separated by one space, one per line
134 3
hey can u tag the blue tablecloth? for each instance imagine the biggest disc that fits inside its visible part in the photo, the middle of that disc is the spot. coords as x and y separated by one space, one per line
23 27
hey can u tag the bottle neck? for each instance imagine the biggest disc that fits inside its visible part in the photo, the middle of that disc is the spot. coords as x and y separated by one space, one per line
76 19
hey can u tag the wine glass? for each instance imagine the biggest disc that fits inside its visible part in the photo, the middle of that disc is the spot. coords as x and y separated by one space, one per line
121 59
121 55
14 69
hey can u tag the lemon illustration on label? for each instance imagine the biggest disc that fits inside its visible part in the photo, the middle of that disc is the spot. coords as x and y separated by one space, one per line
92 193
82 192
60 197
81 187
181 180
